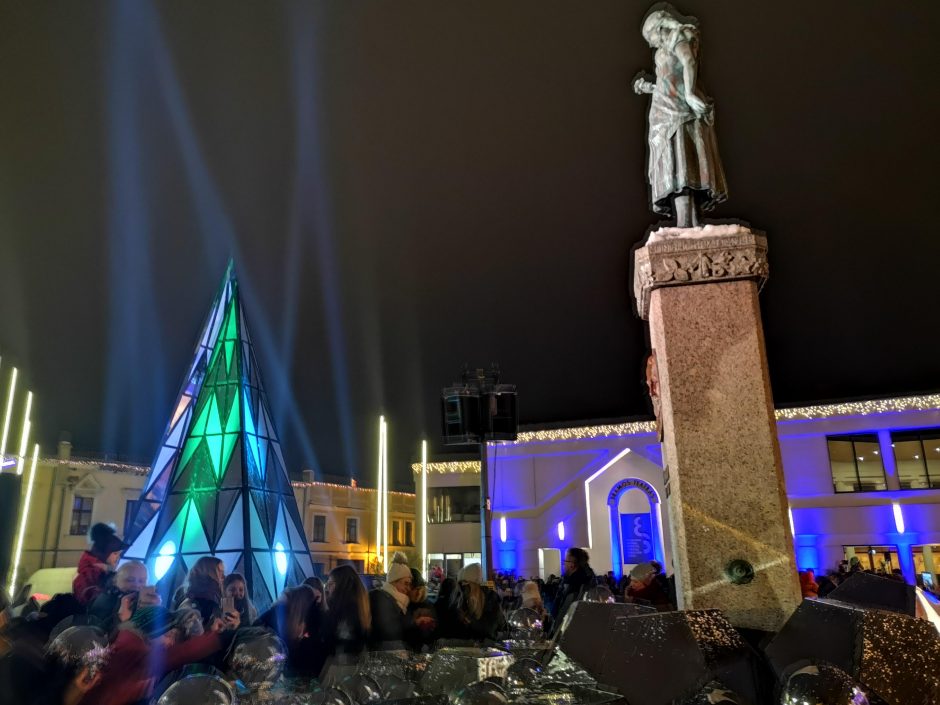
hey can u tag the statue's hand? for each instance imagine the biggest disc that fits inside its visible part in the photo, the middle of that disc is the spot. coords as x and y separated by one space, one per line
641 86
699 106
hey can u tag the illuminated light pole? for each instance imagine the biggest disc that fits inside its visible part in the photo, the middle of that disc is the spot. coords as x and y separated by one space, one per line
385 492
23 518
6 416
24 437
424 508
378 499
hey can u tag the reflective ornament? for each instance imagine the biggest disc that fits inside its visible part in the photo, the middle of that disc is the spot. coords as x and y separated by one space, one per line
483 693
331 696
361 688
454 667
822 684
198 690
525 624
599 593
715 693
522 674
257 659
79 647
395 688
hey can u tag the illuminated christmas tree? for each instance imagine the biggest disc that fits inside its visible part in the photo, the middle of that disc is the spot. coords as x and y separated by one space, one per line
218 485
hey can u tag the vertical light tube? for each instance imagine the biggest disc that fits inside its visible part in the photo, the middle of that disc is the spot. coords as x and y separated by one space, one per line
378 499
23 518
385 490
6 417
424 509
24 437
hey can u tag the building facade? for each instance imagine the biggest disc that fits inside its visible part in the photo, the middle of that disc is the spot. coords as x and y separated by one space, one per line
862 479
70 494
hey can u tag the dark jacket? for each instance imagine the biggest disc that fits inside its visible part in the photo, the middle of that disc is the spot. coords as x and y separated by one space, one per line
485 627
205 595
389 623
573 585
104 608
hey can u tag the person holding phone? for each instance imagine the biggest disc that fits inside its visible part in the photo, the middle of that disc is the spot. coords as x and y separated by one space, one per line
204 594
130 579
236 590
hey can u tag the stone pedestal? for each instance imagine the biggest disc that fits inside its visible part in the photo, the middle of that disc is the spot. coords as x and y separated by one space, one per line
724 478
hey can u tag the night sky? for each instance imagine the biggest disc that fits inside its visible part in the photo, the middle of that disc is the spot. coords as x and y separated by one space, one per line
407 187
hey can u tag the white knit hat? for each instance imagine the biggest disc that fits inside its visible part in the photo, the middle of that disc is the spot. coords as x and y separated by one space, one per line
530 593
472 573
398 569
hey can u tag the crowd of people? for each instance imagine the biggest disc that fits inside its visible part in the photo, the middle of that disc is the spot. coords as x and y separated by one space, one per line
813 586
319 623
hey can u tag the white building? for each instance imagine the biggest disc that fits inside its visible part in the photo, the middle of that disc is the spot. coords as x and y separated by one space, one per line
863 479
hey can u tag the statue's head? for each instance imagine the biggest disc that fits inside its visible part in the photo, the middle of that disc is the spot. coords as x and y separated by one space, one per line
662 18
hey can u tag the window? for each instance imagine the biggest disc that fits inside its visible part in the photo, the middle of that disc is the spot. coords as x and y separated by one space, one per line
409 533
352 530
856 463
81 515
917 455
319 528
448 505
878 559
130 509
396 533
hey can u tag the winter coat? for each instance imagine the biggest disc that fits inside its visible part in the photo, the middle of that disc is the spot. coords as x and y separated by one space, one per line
134 664
389 623
573 585
104 608
808 586
487 626
91 578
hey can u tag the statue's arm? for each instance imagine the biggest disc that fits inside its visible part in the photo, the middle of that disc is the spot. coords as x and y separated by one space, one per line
642 84
690 75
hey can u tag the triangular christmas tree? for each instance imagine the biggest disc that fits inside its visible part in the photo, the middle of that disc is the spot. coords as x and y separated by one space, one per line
218 485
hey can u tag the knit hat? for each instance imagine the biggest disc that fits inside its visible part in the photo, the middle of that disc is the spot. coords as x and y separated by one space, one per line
472 573
641 571
153 621
104 541
399 568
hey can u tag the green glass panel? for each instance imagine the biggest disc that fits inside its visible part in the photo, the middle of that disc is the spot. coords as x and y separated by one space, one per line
230 440
229 354
234 424
194 541
199 428
231 332
214 424
191 444
215 453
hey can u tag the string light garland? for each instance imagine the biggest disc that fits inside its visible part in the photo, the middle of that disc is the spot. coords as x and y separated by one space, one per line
925 402
457 466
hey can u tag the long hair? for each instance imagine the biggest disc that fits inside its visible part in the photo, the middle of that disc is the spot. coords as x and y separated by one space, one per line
203 579
470 600
297 603
349 598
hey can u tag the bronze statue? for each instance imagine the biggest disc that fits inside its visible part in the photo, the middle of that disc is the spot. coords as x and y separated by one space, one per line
685 172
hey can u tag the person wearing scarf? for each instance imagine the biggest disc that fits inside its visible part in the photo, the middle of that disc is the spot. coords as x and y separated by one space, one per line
391 620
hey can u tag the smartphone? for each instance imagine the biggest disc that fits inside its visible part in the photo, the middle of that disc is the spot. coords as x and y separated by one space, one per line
228 605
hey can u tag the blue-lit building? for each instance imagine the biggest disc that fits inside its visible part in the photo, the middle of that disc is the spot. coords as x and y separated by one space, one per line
862 478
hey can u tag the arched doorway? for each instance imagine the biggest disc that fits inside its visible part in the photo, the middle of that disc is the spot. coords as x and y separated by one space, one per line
636 533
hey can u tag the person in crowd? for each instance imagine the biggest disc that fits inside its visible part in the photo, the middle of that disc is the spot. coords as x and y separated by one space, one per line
577 578
150 644
236 588
421 612
130 579
204 590
389 604
646 587
348 619
97 563
317 585
477 612
808 585
532 600
828 583
289 619
443 609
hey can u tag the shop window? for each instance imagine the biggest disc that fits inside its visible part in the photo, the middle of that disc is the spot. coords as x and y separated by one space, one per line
856 463
448 505
877 559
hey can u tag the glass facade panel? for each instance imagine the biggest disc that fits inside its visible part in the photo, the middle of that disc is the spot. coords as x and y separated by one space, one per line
917 454
447 505
856 463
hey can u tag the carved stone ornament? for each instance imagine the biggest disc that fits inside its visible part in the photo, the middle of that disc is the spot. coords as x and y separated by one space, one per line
675 261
